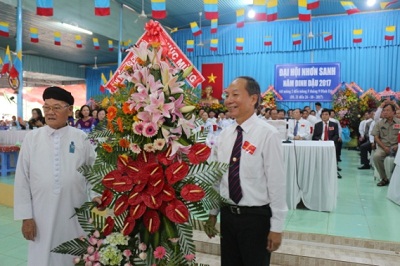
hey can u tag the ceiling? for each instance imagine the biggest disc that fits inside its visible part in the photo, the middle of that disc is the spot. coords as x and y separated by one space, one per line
179 14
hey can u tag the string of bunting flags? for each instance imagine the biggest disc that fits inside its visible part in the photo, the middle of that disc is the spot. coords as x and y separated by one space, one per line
265 10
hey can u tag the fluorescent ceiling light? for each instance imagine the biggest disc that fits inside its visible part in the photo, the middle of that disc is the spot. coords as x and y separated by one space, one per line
251 13
76 28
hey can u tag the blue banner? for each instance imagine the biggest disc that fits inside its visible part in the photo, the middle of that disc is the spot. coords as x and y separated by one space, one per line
307 82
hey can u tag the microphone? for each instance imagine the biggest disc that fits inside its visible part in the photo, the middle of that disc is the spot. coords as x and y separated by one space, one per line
287 129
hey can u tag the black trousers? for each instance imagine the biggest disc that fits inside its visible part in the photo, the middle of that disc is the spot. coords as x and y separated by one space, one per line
365 148
244 238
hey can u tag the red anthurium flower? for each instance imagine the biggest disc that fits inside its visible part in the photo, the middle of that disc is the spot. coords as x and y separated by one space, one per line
129 225
192 192
123 161
167 193
153 202
122 183
134 198
106 198
121 204
164 158
109 226
155 185
177 212
146 157
162 208
199 153
109 179
151 221
137 211
133 168
140 187
176 172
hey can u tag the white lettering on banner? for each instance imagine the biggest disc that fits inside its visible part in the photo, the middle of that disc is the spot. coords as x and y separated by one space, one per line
283 72
309 71
295 72
175 54
288 83
327 71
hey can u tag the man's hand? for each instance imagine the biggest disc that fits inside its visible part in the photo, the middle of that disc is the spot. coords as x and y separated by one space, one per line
98 201
209 226
387 150
373 146
29 229
274 241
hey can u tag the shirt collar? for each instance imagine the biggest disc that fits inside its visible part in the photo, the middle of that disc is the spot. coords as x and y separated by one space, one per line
248 124
51 131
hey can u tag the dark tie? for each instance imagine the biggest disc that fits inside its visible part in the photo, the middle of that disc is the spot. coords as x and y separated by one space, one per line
326 137
235 190
296 128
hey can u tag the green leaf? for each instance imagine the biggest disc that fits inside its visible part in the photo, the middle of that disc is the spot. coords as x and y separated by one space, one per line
185 233
76 247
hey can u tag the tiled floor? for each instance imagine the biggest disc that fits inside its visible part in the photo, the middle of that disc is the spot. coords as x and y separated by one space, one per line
362 212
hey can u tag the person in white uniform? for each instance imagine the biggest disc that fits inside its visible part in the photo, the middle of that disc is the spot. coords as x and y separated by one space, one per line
48 185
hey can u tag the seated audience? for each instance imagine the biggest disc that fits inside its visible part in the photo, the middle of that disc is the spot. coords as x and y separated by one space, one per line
86 122
36 121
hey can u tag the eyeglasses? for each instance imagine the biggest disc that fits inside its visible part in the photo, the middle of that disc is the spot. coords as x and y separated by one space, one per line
55 108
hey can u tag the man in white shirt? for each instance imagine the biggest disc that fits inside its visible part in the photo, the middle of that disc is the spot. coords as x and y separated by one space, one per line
255 185
299 129
318 110
48 185
366 146
361 128
312 119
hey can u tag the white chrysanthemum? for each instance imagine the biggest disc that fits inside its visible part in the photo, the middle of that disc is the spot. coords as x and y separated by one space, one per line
159 144
149 147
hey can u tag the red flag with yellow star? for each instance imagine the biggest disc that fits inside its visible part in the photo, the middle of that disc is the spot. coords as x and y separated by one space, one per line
214 76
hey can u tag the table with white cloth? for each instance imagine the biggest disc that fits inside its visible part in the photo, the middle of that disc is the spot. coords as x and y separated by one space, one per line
394 186
311 174
12 137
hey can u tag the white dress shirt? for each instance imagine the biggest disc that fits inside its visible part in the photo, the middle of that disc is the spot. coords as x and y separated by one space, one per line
303 129
312 119
339 126
262 174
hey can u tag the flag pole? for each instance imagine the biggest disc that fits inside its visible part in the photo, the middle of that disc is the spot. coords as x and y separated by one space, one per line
19 48
120 34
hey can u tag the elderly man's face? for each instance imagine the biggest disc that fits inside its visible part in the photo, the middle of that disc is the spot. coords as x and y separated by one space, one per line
296 114
57 115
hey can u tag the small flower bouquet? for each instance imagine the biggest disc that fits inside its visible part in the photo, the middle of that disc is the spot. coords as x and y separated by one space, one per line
151 170
268 100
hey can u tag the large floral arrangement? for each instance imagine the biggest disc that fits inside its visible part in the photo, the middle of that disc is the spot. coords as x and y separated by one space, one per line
151 171
345 104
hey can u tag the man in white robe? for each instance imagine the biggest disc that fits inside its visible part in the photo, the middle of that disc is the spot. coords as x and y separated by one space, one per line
48 185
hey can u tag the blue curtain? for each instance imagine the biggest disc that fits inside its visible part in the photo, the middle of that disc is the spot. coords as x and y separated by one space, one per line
93 79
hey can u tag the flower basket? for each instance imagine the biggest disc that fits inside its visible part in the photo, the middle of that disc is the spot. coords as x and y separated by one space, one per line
151 170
